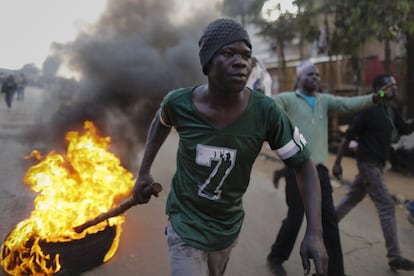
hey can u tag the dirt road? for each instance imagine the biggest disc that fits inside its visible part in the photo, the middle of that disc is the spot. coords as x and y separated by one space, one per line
143 250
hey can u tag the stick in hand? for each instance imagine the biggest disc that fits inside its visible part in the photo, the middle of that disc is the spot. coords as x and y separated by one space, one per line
152 189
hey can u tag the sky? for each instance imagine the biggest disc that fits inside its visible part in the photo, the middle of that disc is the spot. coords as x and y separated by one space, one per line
28 27
272 9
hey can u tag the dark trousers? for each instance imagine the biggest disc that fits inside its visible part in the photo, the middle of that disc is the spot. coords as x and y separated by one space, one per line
286 238
9 98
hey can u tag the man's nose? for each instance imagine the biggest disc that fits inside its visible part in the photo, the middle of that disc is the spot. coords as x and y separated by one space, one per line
240 60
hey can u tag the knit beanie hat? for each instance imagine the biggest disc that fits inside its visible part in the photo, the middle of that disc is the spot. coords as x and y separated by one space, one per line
218 34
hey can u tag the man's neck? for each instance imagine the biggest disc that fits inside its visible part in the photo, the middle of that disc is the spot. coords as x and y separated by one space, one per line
307 93
225 99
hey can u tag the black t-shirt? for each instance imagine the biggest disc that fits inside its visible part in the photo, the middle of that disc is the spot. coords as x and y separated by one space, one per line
373 129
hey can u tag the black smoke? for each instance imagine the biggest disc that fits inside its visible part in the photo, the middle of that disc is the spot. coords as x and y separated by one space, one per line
136 52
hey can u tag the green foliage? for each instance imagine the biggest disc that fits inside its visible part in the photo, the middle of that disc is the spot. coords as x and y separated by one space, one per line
238 9
358 21
282 29
406 22
308 20
352 22
303 25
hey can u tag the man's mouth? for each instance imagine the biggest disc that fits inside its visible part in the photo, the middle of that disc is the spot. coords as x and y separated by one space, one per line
239 76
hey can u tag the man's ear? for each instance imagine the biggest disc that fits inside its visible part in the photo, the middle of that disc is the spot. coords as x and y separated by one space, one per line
205 68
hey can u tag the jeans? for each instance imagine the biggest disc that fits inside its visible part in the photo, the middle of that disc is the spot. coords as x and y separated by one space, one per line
20 92
190 261
370 180
286 238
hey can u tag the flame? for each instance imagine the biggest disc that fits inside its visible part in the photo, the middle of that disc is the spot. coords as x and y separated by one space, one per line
71 189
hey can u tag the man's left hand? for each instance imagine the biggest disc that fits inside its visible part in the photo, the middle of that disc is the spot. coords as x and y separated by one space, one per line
312 247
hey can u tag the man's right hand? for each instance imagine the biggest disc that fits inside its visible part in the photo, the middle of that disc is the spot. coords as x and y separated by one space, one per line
138 190
337 171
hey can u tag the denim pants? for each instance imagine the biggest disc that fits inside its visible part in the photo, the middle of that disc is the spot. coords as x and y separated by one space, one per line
288 233
190 261
370 181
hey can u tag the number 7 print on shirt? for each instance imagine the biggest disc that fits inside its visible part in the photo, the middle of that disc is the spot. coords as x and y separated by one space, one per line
221 161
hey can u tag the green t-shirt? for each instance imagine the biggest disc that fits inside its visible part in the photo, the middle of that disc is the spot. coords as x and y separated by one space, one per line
214 165
313 124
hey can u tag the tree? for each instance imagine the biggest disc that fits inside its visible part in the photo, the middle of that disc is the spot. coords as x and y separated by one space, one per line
352 29
407 28
307 22
238 8
284 25
386 22
30 69
279 33
348 26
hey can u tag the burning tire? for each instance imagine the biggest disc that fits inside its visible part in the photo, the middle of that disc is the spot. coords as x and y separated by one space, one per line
71 187
77 256
80 255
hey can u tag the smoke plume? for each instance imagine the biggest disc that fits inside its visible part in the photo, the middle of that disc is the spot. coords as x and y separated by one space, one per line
137 52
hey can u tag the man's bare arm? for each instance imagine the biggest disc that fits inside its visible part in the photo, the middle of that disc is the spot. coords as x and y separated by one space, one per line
312 245
156 137
337 168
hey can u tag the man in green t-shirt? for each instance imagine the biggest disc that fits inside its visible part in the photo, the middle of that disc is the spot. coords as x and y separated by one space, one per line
222 126
308 110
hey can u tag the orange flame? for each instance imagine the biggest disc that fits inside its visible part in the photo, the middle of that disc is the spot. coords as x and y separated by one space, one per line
71 189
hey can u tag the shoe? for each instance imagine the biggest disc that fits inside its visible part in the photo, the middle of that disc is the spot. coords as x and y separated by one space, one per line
277 175
401 264
276 267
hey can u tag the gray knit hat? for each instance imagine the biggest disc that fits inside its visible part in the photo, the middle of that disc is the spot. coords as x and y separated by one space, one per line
218 34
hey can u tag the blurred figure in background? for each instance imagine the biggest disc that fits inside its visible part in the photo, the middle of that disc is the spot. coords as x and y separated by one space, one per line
259 78
21 84
374 129
8 88
308 110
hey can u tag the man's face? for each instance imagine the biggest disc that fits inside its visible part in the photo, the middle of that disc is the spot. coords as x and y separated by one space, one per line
231 66
390 88
309 79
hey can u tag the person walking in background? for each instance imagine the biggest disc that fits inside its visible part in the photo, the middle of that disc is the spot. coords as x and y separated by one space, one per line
308 110
222 126
21 84
281 173
373 128
9 87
